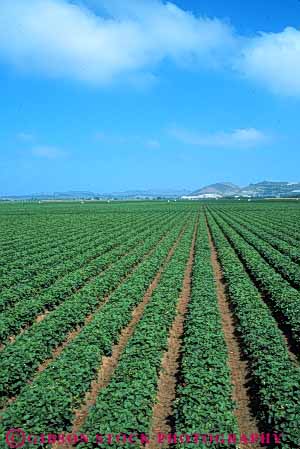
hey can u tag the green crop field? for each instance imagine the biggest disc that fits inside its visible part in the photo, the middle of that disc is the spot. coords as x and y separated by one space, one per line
151 317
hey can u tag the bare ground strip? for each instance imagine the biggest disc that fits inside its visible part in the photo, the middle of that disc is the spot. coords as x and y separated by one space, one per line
109 364
237 364
162 414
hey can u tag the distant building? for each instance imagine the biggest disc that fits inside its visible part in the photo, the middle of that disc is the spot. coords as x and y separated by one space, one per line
201 196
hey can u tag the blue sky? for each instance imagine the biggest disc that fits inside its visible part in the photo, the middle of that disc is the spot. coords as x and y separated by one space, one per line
108 95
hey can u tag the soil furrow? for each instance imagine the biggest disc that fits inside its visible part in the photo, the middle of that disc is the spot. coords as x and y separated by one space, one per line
237 364
11 339
73 334
162 415
293 346
40 317
89 318
109 364
45 311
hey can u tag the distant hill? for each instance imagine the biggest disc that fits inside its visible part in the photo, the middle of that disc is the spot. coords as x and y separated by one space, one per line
87 195
221 188
272 189
151 193
264 189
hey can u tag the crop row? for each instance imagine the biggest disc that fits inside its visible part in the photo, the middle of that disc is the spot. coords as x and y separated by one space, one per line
266 234
276 378
20 359
25 311
89 265
286 220
284 223
283 298
67 241
42 274
204 394
24 234
50 400
281 263
269 225
125 405
29 263
57 232
47 237
25 272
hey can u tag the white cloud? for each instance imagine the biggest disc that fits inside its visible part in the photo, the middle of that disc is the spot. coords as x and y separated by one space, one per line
273 59
99 41
238 138
47 152
63 39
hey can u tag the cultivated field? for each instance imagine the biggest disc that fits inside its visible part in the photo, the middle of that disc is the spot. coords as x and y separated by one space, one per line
151 317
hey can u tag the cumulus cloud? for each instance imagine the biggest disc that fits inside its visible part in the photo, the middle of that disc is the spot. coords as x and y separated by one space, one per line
238 138
273 59
47 152
99 41
64 39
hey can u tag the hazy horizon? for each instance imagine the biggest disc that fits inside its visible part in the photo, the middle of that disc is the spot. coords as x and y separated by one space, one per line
150 189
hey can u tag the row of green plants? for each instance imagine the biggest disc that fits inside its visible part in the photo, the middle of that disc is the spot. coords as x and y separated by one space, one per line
281 263
126 404
20 359
72 260
63 244
48 266
10 296
25 311
67 235
267 234
284 299
21 233
49 402
44 236
285 222
204 393
49 236
275 376
281 231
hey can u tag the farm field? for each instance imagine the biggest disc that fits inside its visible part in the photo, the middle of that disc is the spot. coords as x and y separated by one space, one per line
159 321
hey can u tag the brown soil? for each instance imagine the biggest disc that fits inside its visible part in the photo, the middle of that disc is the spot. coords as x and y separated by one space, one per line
238 366
109 364
89 318
293 346
166 390
71 335
12 338
293 350
41 316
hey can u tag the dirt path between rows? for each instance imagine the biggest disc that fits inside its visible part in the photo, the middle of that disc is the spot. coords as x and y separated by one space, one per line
76 331
42 315
109 364
238 366
162 414
71 335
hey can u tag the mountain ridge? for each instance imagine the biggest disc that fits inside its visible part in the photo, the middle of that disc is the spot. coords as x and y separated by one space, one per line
262 189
